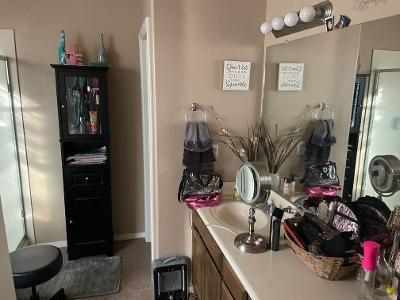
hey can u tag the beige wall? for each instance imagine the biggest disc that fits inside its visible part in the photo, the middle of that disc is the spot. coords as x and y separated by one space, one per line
7 291
37 36
380 34
328 76
341 7
192 39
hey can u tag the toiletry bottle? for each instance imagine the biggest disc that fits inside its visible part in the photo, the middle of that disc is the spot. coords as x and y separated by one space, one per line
61 49
236 195
368 270
384 278
292 184
275 229
286 186
102 54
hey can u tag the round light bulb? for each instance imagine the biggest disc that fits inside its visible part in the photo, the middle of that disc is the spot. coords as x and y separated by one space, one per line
307 14
291 19
266 28
277 23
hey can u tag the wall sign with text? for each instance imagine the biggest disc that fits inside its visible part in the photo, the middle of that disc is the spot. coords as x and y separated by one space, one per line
290 76
236 75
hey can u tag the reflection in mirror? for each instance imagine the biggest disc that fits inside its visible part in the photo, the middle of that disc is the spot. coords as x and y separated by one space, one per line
378 132
246 184
384 172
348 70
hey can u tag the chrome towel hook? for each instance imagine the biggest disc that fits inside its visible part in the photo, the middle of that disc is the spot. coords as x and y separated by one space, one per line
195 108
322 106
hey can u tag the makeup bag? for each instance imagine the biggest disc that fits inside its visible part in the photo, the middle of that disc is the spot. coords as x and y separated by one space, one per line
200 188
206 200
321 174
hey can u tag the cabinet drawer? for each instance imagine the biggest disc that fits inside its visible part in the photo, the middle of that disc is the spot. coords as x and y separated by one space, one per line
87 177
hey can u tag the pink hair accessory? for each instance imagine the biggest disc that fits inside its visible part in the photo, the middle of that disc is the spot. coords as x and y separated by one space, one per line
371 252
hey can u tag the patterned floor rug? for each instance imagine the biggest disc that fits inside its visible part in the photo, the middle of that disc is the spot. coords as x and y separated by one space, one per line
82 278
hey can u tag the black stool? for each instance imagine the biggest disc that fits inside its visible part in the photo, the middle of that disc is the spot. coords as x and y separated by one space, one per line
34 265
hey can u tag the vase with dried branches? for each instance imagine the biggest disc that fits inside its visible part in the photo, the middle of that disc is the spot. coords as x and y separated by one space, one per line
278 146
246 148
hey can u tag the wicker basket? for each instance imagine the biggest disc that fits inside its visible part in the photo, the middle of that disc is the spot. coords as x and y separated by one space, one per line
325 267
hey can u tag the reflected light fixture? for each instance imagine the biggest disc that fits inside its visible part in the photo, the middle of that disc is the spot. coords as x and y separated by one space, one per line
291 19
266 27
277 23
307 14
308 17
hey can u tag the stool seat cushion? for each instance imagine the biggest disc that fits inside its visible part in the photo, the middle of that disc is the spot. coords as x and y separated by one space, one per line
34 265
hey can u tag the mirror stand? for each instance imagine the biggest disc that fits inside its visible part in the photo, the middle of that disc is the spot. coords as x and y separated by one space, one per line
254 186
251 242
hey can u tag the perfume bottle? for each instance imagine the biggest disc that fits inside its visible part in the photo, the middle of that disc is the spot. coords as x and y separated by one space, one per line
367 272
61 49
102 54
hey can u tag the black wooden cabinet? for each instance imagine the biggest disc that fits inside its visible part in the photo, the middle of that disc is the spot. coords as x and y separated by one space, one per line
85 152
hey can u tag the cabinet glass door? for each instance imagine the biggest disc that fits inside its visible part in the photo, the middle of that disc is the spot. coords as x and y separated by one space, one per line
83 105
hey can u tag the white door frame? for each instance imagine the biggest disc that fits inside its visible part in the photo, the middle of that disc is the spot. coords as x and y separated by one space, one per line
148 116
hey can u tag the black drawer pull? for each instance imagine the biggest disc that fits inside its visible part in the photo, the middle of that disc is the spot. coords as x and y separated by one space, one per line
87 178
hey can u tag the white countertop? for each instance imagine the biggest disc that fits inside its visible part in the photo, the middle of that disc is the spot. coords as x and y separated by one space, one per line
275 275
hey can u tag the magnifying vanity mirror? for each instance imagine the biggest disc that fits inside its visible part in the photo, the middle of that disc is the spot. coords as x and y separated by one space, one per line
384 172
253 184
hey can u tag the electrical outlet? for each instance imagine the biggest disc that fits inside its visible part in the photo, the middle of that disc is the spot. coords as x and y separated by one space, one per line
301 148
215 150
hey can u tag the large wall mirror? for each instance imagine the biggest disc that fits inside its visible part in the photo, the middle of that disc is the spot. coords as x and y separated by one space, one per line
356 71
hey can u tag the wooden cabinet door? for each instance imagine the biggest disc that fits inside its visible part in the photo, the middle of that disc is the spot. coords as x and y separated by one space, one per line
212 280
89 227
198 253
225 294
236 289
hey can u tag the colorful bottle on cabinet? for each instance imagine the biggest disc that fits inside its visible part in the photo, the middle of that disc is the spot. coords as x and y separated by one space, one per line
368 270
61 49
102 54
94 98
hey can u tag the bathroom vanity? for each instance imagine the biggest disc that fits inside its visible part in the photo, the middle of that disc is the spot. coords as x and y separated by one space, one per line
220 271
213 277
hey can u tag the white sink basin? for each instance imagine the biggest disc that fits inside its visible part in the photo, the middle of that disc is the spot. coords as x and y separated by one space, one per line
234 215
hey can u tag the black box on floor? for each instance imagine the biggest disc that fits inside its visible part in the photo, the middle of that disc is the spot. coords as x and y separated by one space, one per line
170 277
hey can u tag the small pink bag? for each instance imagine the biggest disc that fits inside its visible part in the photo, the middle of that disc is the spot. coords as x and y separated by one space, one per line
203 200
321 191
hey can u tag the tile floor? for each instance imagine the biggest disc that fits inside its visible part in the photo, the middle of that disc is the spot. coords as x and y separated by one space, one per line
136 271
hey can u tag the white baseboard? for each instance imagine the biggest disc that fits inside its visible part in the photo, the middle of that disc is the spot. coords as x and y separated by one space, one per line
117 237
58 244
129 236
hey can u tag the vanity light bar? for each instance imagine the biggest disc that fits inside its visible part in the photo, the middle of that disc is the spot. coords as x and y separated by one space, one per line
308 17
